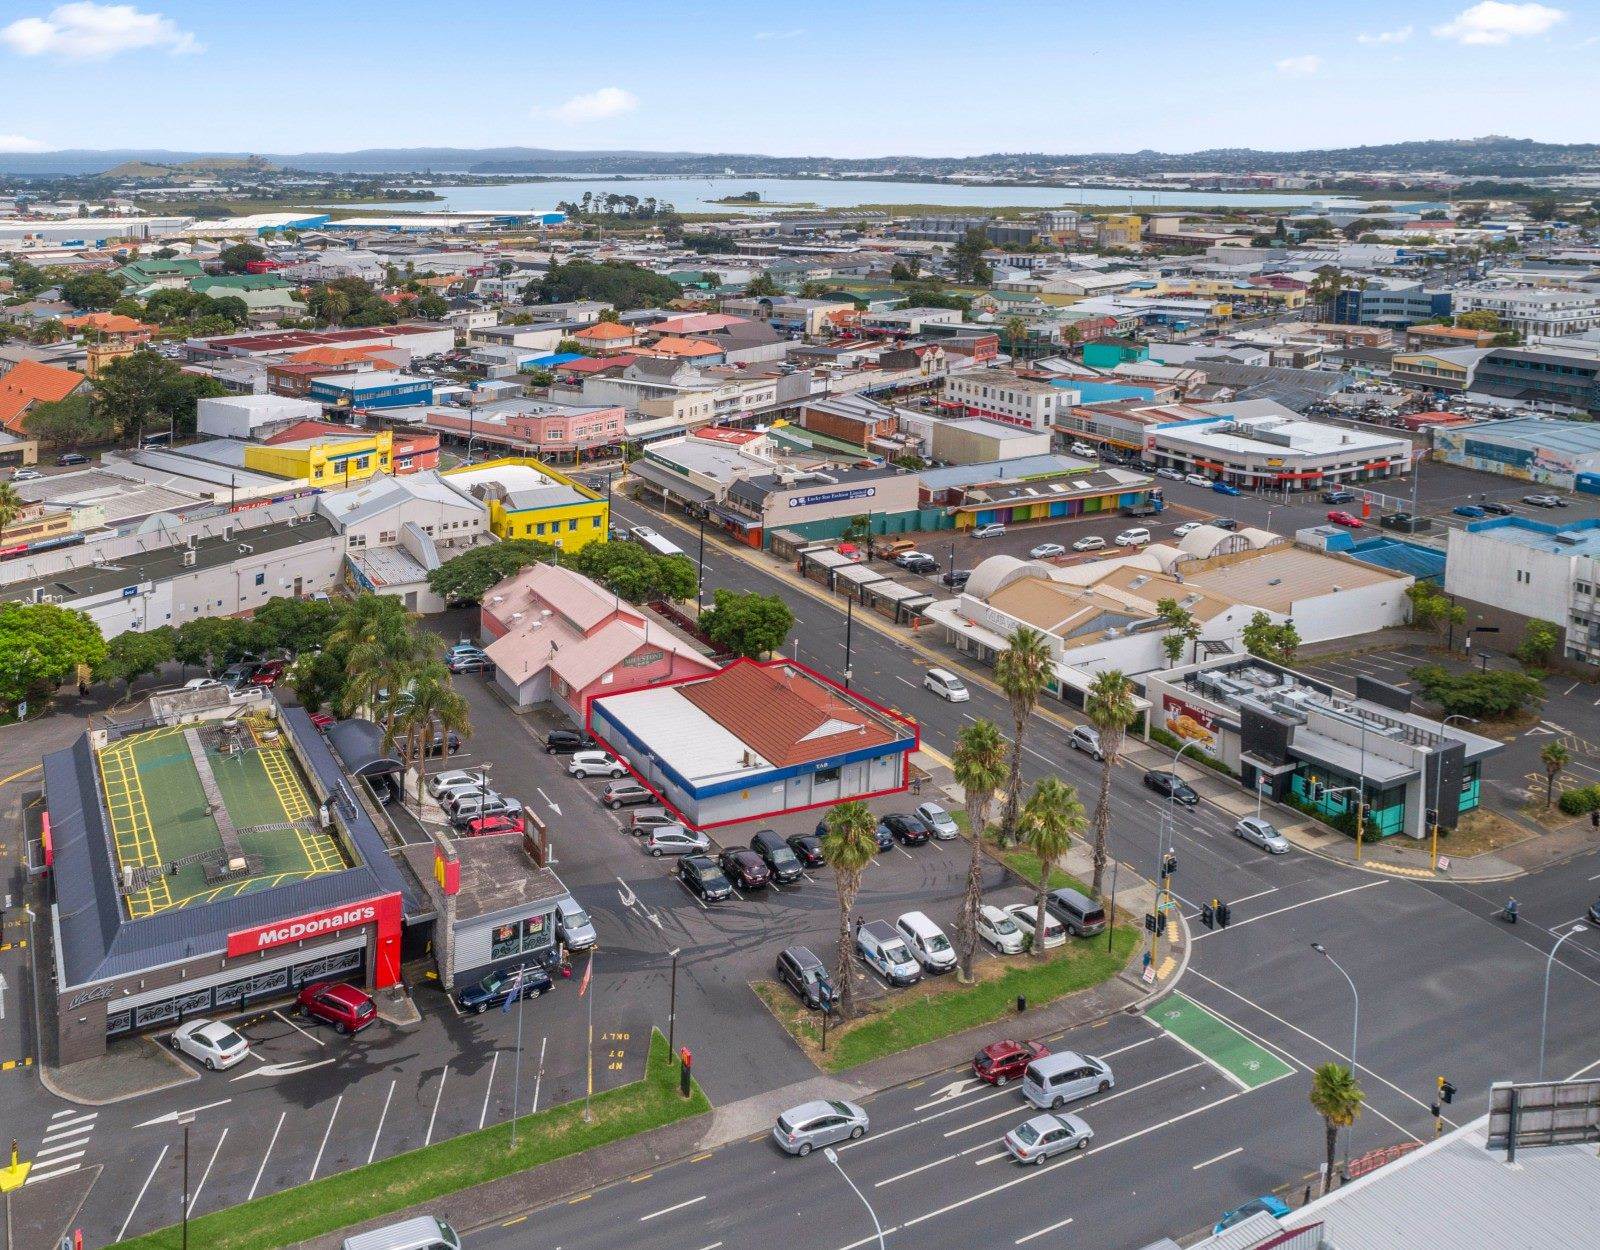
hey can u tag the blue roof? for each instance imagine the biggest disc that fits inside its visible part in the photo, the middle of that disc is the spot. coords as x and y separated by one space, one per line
1422 563
1579 538
1580 437
549 362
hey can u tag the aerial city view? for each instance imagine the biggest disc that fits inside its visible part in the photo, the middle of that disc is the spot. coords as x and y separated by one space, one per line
724 627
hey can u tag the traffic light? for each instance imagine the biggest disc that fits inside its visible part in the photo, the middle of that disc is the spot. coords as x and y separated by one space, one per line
1169 864
1208 916
1224 914
1161 924
1316 790
1433 816
1447 1091
1149 922
1155 922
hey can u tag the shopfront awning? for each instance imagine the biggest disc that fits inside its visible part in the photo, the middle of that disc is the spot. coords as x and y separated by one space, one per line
669 483
1349 760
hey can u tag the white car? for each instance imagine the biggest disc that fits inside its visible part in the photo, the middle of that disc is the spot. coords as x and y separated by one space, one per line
1092 543
26 475
1196 479
201 683
1045 551
1170 475
1024 914
596 764
940 821
1133 538
1083 449
1263 834
999 930
456 779
211 1042
992 530
927 941
1188 527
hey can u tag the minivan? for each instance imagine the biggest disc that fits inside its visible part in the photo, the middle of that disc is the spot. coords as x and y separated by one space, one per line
779 856
1053 1081
1086 738
422 1233
1082 915
946 685
927 942
1137 536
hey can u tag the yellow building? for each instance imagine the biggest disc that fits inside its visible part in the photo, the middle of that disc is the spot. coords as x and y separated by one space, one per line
323 460
1120 230
529 499
1222 289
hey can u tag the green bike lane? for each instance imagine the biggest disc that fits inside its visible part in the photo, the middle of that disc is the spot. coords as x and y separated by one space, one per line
1242 1060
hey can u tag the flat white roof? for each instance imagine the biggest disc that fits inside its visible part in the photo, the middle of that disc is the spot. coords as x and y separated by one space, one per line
1289 437
683 737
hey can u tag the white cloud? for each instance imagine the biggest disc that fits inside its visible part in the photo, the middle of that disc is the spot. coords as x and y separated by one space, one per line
20 143
1493 22
592 106
768 35
86 31
1300 66
1388 36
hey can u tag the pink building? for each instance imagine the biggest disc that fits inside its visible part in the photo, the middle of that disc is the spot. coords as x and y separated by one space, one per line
556 637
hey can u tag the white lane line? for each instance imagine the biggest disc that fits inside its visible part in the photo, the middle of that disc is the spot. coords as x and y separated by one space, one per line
76 1154
50 1173
488 1089
912 684
326 1133
70 1127
1267 915
983 1145
55 1150
438 1097
669 1210
319 1041
715 1245
56 1115
1038 756
538 1077
1048 1228
260 1171
382 1116
195 1196
867 1241
139 1197
1226 1154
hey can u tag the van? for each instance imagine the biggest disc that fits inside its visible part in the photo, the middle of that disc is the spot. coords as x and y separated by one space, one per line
1137 536
889 548
422 1233
1052 1081
1082 915
927 942
946 685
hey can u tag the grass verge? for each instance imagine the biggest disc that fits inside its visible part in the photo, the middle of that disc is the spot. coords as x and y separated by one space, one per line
363 1193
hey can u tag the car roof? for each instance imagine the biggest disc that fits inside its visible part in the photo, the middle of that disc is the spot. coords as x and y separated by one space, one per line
344 993
809 1110
804 956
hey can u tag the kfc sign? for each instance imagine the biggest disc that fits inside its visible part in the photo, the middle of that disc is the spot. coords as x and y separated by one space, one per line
383 912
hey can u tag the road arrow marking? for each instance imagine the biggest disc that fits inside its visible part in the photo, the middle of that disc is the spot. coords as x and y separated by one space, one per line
172 1116
282 1069
549 802
950 1092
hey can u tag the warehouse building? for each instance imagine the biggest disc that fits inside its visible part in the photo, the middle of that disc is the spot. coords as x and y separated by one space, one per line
1533 449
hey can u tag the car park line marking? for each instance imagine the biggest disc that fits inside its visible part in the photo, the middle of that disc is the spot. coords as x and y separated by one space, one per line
1267 915
262 1169
669 1210
171 1117
1048 1228
438 1096
371 1154
139 1197
1227 1154
319 1041
484 1114
195 1196
326 1133
538 1076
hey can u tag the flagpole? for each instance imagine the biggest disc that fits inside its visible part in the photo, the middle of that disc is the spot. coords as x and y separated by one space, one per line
588 975
516 1083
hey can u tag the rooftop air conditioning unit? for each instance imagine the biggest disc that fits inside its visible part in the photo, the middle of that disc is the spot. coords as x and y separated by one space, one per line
186 558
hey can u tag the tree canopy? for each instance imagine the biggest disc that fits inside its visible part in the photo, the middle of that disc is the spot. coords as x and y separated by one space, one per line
92 290
40 647
746 622
1267 640
1491 695
235 258
638 575
467 577
966 258
622 286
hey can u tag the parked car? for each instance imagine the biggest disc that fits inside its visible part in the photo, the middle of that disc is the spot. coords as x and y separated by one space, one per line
811 1125
904 829
1224 523
619 794
1224 488
1197 479
1171 786
468 807
1497 509
1274 1207
456 778
880 831
1338 495
1469 510
469 661
1081 914
499 987
203 683
648 818
72 458
239 673
1065 1076
1035 1140
573 925
999 930
992 530
566 741
1545 501
1082 449
503 822
803 972
345 1006
807 848
422 1233
26 475
676 840
781 861
1000 1063
1170 475
1047 551
442 742
918 563
927 941
321 720
885 952
1350 521
957 579
903 557
268 673
1086 738
937 821
1091 543
1024 914
1594 912
746 869
1138 536
211 1042
701 874
1188 527
1262 833
596 764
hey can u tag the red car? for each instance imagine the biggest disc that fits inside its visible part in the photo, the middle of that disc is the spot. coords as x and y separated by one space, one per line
268 673
999 1063
1347 519
502 823
321 719
344 1006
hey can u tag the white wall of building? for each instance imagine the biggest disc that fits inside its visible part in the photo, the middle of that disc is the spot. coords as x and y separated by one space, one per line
1508 575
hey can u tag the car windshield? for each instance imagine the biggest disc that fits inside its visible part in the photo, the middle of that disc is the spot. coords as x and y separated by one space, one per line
707 872
1003 924
783 857
938 942
577 917
1026 1134
895 952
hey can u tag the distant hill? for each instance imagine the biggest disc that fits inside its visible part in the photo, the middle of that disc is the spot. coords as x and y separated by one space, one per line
150 170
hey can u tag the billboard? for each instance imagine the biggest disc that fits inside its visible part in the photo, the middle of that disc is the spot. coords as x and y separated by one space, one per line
1189 723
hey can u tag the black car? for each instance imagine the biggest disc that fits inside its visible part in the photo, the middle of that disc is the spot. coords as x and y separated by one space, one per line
923 564
497 987
701 874
1223 522
1594 912
782 862
807 848
956 579
904 828
240 673
745 868
444 743
885 838
1496 509
566 741
72 458
1170 786
801 970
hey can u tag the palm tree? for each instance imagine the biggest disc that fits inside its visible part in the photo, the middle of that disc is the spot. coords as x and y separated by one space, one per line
428 704
979 764
1016 336
1023 672
1337 1098
848 847
11 507
1554 757
1050 818
1111 709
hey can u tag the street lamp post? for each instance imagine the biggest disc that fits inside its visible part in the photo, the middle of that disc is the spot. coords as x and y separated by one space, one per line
186 1120
1355 1034
1164 837
672 1005
1549 964
700 567
849 626
1438 768
832 1157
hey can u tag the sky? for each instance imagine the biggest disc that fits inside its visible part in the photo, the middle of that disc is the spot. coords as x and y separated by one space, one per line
825 78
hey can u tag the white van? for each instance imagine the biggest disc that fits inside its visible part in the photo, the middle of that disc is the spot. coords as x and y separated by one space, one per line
422 1233
1138 536
946 685
927 942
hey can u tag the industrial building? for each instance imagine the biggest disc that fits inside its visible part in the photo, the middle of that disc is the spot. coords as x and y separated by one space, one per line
1258 443
1533 449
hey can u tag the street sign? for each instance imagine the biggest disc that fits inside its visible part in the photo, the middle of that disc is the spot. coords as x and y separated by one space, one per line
1444 863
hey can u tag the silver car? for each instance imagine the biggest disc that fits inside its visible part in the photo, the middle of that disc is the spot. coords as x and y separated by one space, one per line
676 840
940 821
574 926
811 1125
1035 1140
1262 833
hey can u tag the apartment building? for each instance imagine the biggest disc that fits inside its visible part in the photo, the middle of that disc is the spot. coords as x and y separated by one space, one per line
1002 395
1533 310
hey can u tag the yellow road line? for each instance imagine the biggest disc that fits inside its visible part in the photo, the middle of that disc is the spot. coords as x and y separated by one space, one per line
5 781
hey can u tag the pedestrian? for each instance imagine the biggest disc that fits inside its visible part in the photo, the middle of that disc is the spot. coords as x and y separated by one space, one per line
1594 819
83 688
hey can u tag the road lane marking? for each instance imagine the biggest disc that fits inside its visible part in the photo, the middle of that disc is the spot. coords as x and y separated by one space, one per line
1048 1228
326 1133
377 1132
900 1176
69 1127
171 1117
255 1184
139 1197
488 1089
40 1156
438 1097
669 1210
1267 915
1226 1154
538 1077
319 1041
195 1196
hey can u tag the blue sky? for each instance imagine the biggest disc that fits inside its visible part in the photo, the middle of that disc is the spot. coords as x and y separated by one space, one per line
863 78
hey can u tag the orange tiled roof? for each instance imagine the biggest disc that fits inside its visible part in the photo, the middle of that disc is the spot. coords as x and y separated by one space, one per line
604 330
673 346
29 383
108 323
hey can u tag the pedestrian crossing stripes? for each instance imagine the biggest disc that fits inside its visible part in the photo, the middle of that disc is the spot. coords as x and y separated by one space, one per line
65 1143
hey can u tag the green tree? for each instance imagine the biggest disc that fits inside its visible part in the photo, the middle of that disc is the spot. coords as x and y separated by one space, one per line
294 625
1266 640
236 258
1555 758
328 305
1337 1098
132 655
966 258
623 286
1479 319
1182 628
427 705
430 307
142 390
635 573
762 285
12 505
1432 609
1543 209
1111 709
979 764
1050 817
41 645
92 290
466 578
1491 695
1539 642
211 642
746 623
1023 673
848 846
1016 336
318 679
